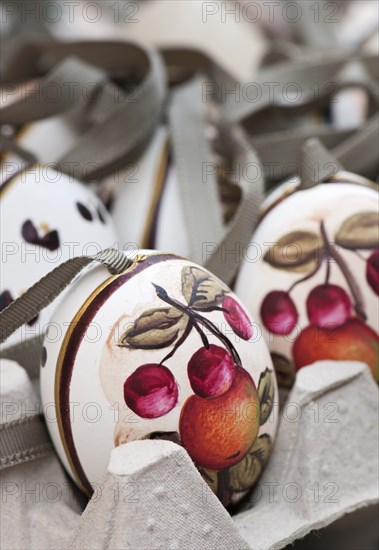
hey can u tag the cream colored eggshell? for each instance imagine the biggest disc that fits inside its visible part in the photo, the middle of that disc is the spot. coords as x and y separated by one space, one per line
138 195
48 140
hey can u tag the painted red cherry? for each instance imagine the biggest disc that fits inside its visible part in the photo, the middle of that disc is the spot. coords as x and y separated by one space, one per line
278 312
237 318
328 306
151 391
211 371
372 271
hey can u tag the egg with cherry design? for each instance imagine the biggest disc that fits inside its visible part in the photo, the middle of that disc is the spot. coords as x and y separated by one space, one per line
317 279
151 351
42 227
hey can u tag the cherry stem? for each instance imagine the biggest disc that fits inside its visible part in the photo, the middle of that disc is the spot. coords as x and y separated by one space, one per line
224 339
309 275
195 320
181 340
354 288
214 308
360 255
327 274
202 335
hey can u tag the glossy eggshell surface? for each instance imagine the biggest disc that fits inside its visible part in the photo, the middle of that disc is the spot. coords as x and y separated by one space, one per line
316 250
46 218
154 354
47 139
147 204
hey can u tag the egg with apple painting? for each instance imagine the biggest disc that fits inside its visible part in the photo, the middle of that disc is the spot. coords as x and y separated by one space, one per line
314 287
164 350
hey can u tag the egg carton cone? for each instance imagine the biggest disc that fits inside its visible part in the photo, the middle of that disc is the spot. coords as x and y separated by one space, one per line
324 466
325 461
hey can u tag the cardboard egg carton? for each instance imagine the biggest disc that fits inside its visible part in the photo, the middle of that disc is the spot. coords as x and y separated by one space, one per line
324 465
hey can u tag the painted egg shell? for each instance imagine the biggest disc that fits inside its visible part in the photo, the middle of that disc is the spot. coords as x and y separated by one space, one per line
147 201
48 140
311 277
46 218
147 205
164 350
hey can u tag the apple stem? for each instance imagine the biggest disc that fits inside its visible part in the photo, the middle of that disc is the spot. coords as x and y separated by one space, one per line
350 279
309 275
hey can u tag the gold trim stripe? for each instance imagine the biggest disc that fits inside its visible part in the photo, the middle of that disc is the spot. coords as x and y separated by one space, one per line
156 195
59 368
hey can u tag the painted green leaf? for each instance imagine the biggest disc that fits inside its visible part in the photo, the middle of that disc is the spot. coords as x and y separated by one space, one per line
245 473
297 251
359 231
266 392
210 477
201 290
284 370
168 436
155 329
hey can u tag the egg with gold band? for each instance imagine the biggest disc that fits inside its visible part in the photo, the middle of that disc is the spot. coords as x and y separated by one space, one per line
312 284
163 350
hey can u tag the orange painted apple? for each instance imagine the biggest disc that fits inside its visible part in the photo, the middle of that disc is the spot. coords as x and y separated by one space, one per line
218 431
352 341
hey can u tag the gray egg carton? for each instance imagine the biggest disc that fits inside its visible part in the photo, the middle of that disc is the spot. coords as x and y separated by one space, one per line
324 465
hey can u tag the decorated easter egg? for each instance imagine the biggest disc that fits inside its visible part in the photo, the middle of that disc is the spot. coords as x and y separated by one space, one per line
48 140
310 276
148 202
163 350
46 218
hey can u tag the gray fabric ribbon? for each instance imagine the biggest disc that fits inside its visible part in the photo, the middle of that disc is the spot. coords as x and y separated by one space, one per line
268 121
192 155
23 440
124 121
43 292
218 247
27 438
